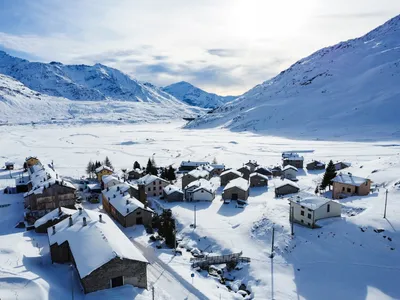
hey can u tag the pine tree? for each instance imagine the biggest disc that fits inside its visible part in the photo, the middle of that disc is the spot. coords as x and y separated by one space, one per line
164 174
149 167
89 169
171 174
330 173
107 162
136 165
316 190
215 161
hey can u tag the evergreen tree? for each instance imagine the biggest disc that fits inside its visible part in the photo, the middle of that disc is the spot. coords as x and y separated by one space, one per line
89 169
215 161
164 174
316 190
149 166
136 165
171 174
107 162
330 173
167 228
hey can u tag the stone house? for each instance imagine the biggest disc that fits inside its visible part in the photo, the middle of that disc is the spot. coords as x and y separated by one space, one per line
286 187
52 218
9 165
252 164
154 185
200 190
229 175
217 169
293 159
172 193
306 209
22 184
191 165
103 171
345 185
289 172
276 171
126 209
114 261
264 171
135 174
236 189
194 175
245 170
108 181
257 179
315 165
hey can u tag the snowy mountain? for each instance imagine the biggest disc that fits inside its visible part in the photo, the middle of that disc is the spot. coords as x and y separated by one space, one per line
80 82
192 95
351 88
20 105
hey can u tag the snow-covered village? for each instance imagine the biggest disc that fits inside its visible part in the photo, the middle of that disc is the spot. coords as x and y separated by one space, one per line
113 187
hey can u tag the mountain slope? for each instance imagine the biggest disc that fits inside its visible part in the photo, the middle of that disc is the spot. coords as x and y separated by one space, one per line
192 95
80 82
351 88
21 105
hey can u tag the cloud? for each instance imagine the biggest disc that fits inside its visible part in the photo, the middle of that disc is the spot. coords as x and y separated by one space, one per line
222 52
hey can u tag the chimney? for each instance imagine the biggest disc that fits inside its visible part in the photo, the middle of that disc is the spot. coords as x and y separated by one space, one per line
70 220
142 193
84 221
101 218
59 210
127 210
54 229
117 188
108 189
127 201
80 210
114 196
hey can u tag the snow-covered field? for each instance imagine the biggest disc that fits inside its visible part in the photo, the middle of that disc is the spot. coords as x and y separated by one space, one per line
337 261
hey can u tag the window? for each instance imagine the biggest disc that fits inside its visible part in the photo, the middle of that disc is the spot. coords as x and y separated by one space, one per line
302 212
309 224
154 194
309 216
202 191
349 190
328 208
154 188
302 221
342 189
117 281
154 183
309 210
302 207
149 189
138 212
159 182
160 187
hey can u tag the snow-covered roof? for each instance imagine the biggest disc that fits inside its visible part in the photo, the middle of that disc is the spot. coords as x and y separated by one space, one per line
218 166
170 189
309 200
108 178
349 179
9 163
201 184
53 215
231 171
149 178
240 183
276 168
43 176
137 170
292 156
207 168
244 167
199 173
107 240
250 162
287 167
342 162
193 163
94 186
119 197
101 168
263 168
317 163
259 175
286 182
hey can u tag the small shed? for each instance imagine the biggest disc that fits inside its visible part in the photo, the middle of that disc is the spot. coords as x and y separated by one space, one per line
257 179
9 165
252 164
229 175
286 187
264 171
289 172
172 193
236 189
341 165
315 165
246 171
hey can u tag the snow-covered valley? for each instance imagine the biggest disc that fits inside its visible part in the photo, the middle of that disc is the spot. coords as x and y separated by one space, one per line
345 259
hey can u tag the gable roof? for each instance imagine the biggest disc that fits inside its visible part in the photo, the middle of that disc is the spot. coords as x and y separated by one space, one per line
255 174
231 171
245 167
53 215
119 197
199 173
309 200
108 178
286 182
193 163
201 184
105 237
240 183
149 178
218 166
349 179
170 189
101 168
287 167
263 168
316 162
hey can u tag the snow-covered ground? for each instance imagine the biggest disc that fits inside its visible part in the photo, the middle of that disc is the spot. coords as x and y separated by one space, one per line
337 261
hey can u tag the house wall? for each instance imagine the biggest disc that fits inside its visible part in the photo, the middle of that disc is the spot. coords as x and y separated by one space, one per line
175 196
111 183
43 228
155 188
32 161
251 166
242 195
103 173
263 172
289 173
307 219
258 181
52 197
134 175
246 172
60 253
131 219
202 195
134 272
228 177
285 190
335 210
347 189
314 166
186 179
276 173
295 163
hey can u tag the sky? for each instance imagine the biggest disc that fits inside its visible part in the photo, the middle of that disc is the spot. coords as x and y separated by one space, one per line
221 46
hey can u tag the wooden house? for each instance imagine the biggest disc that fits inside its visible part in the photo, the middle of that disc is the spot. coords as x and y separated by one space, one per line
102 254
135 174
200 190
315 165
257 179
245 170
293 159
264 171
236 189
194 175
187 166
341 165
345 185
286 187
229 175
289 172
276 171
31 161
252 164
217 169
172 193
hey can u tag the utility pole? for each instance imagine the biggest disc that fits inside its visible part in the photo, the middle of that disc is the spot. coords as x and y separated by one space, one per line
72 282
272 246
194 224
291 218
152 292
384 214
